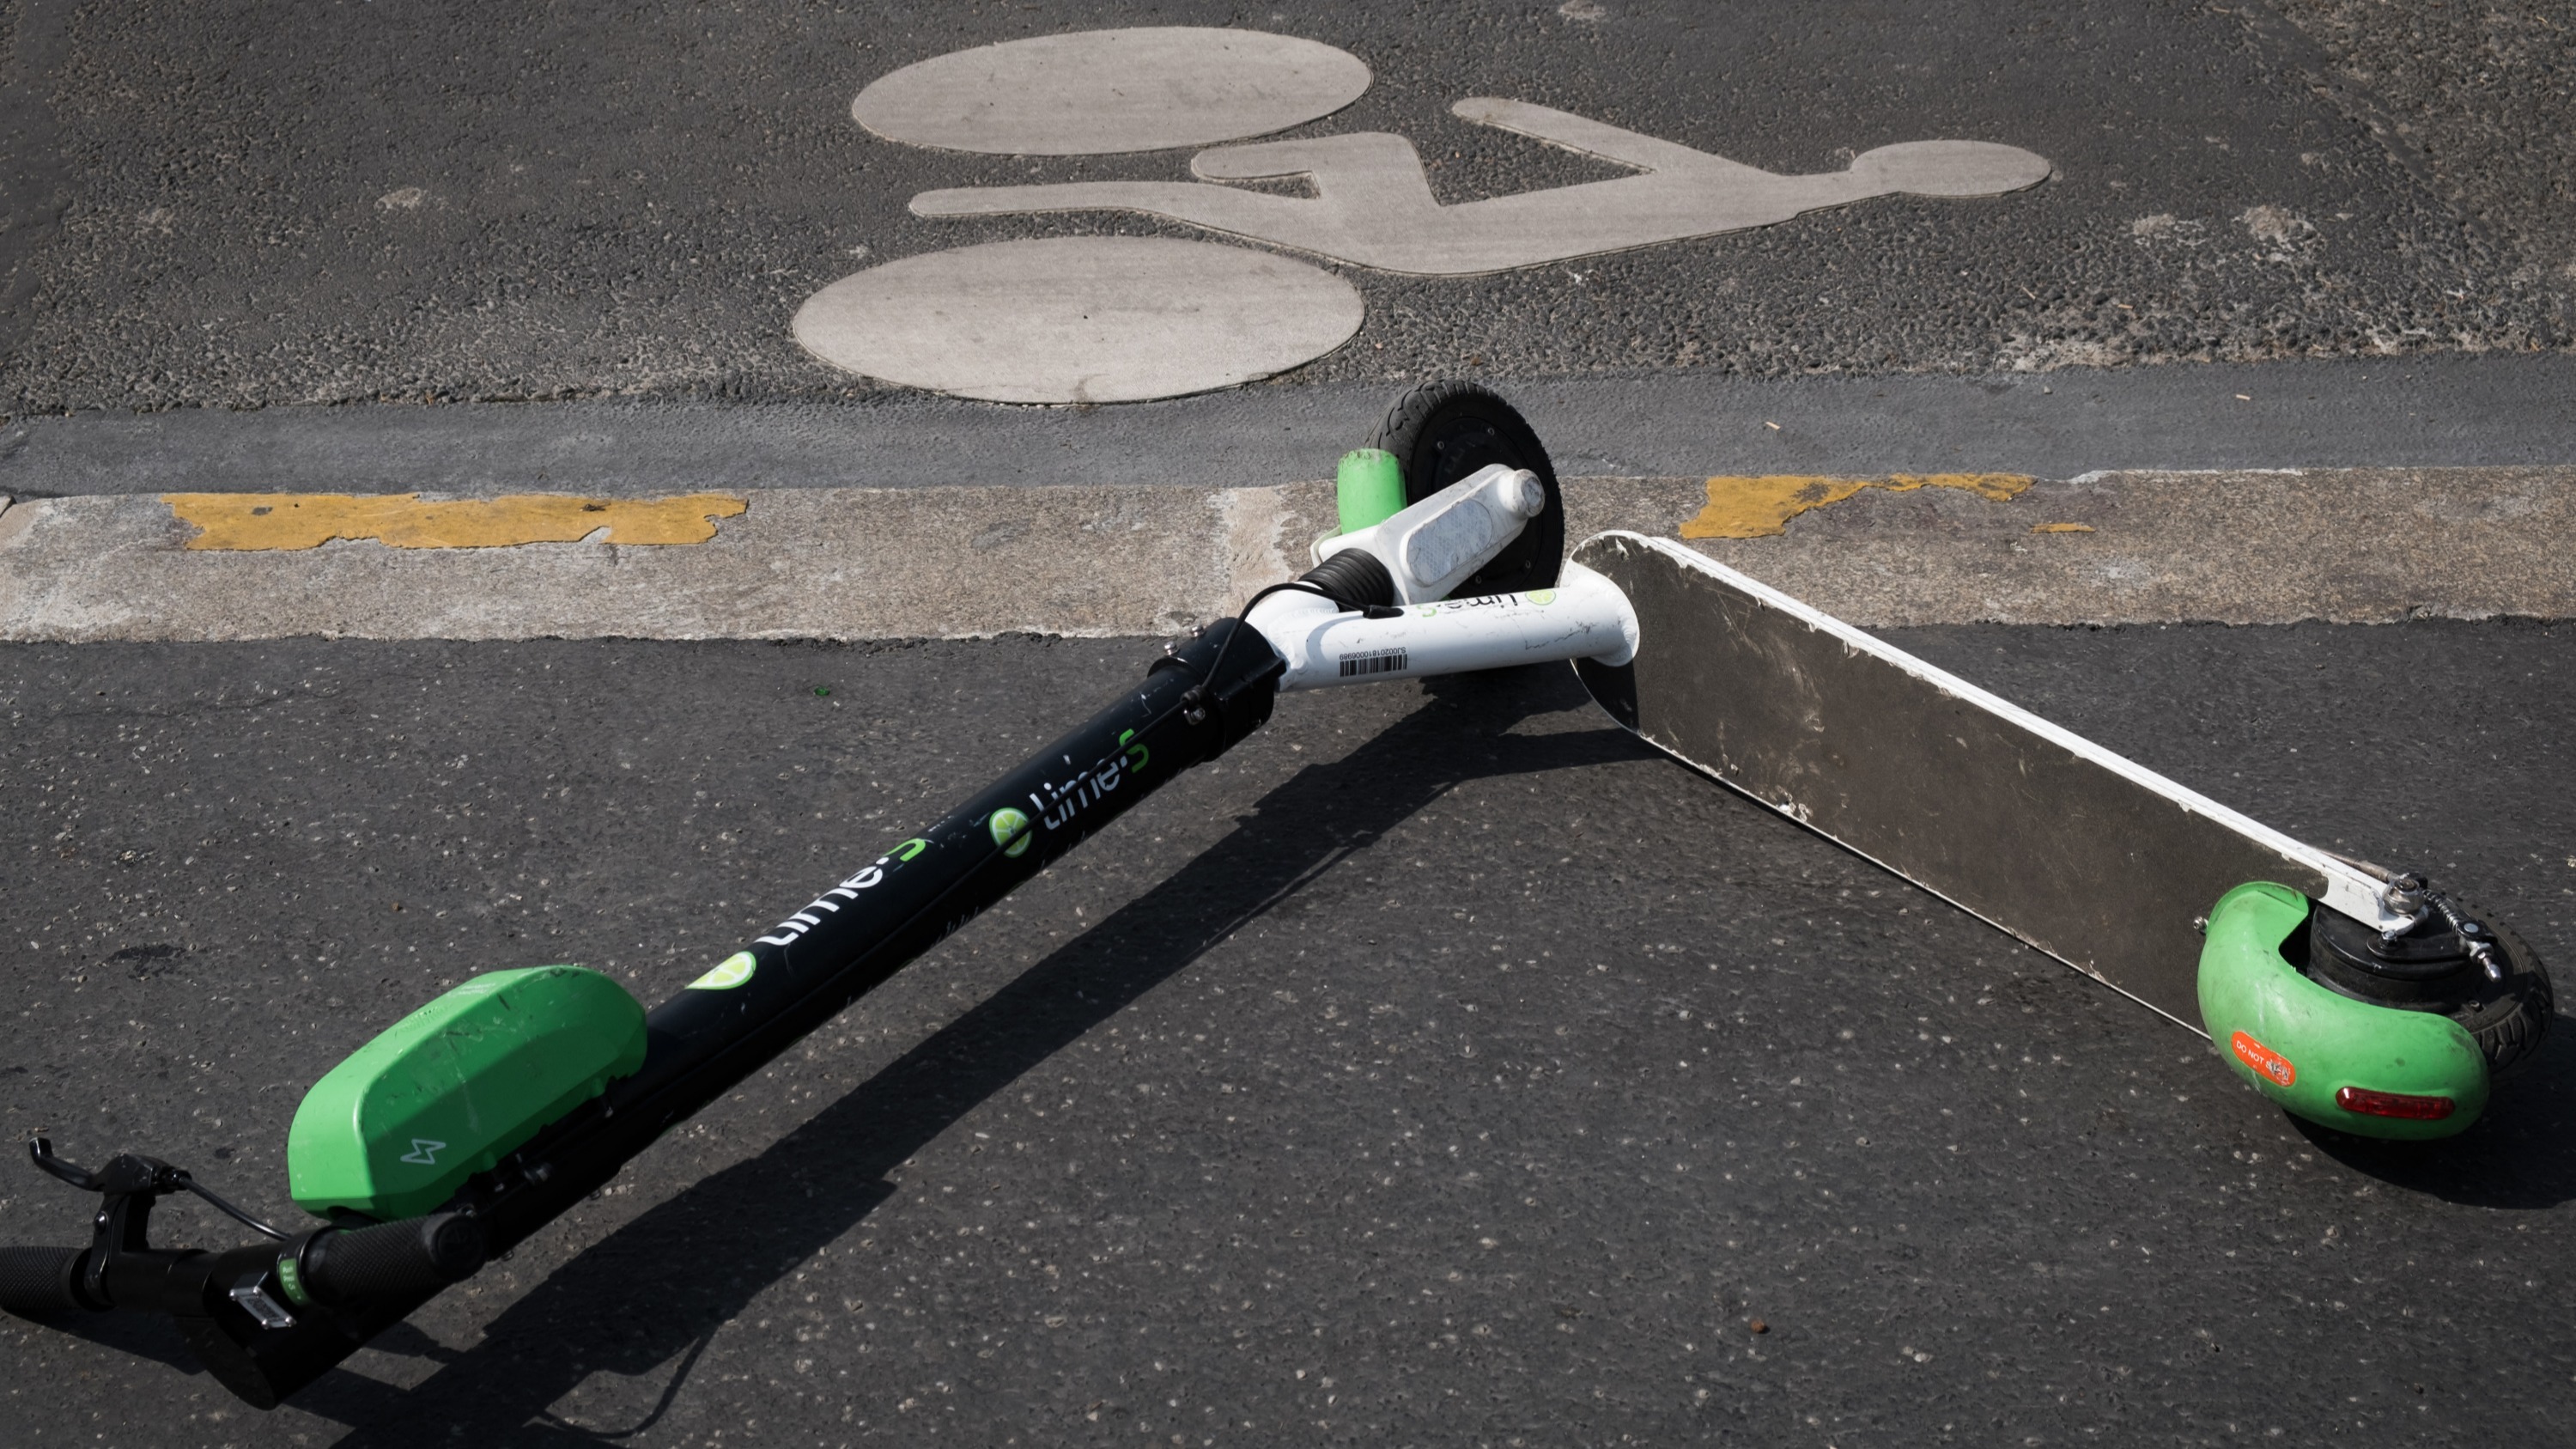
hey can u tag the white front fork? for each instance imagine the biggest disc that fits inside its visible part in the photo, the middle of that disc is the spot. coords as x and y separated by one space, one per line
1583 617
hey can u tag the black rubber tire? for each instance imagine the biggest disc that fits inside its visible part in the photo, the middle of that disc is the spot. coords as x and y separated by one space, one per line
2511 1019
1442 431
2507 1019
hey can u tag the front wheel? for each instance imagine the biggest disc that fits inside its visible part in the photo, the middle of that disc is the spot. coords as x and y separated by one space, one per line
1442 431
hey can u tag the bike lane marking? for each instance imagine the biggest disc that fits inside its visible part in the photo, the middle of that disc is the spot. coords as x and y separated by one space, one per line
1103 92
1094 319
1091 319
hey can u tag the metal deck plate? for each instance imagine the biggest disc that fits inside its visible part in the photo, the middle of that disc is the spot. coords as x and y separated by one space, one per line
2085 855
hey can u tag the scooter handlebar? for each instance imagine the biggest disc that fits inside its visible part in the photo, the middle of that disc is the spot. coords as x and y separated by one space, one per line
35 1281
391 1260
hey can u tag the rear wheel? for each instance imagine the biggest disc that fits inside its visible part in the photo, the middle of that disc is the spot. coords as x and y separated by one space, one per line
1442 431
2509 1020
2430 969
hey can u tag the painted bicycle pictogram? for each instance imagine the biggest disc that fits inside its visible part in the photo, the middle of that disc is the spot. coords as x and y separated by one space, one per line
1116 319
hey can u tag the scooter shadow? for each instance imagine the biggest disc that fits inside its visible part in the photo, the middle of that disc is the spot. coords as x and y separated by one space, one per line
659 1287
143 1335
2520 1155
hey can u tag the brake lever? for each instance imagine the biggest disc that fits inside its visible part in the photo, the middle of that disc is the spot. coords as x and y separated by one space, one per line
128 1174
41 1152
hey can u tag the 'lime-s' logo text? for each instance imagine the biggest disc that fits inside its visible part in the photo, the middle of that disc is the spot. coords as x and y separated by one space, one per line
1057 804
807 919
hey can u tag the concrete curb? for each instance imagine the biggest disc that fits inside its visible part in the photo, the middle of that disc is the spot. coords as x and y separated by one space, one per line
2346 546
2359 546
805 563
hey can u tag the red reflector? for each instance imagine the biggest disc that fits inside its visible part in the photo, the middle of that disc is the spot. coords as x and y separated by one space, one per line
2393 1104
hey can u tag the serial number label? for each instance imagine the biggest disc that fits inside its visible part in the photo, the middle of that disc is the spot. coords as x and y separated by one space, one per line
1389 661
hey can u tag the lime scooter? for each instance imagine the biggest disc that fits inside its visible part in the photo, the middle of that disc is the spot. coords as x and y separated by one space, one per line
2352 996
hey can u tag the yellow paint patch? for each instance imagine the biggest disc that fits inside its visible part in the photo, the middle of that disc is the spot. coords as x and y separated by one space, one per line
258 521
1761 507
2061 528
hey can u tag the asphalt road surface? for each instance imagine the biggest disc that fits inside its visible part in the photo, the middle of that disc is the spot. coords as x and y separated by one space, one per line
1439 1067
2438 410
250 204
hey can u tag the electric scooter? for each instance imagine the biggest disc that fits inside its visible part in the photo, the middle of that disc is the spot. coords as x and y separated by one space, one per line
2353 996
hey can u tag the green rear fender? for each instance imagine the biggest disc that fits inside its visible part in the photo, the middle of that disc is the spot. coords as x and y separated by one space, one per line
2302 1045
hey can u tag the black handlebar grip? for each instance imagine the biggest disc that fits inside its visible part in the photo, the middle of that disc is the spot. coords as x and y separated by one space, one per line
40 1280
417 1255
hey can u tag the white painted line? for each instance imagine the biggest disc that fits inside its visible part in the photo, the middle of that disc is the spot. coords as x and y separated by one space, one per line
1096 320
1373 205
1098 92
1080 319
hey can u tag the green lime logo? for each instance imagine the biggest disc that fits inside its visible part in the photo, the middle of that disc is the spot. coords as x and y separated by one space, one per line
731 972
1541 596
1011 831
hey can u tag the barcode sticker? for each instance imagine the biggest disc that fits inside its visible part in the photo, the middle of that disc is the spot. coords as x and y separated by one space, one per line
1390 662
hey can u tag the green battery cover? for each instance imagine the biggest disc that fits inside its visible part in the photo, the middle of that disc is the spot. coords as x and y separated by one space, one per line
396 1128
2304 1046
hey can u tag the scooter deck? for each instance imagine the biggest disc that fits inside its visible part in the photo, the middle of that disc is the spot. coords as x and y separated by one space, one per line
2088 856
